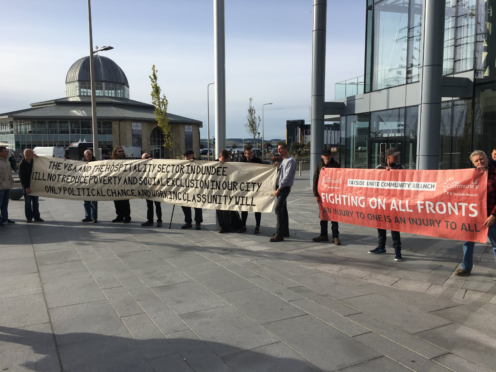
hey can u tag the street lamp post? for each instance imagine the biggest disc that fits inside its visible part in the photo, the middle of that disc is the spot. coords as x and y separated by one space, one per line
263 130
208 120
94 120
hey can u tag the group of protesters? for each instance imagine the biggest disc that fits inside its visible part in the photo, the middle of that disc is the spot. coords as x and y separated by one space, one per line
230 221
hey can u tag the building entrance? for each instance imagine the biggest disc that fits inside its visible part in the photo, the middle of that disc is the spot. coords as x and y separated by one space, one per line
378 147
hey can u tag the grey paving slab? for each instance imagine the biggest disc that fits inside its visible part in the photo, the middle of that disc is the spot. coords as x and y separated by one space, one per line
56 256
261 306
17 266
86 321
198 355
383 364
413 343
21 251
135 260
456 363
321 344
395 313
102 275
63 271
237 269
126 246
157 275
122 302
227 331
271 275
280 291
23 311
269 358
150 339
19 285
27 359
171 363
186 260
399 353
327 302
71 292
333 319
116 353
221 280
188 297
464 342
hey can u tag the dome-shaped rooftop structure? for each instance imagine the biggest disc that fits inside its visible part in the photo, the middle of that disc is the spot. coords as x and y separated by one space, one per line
110 80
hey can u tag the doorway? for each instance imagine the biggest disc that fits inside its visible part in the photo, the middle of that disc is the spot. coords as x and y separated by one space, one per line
378 147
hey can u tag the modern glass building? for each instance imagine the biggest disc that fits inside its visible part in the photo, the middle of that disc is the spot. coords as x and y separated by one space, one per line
121 121
381 109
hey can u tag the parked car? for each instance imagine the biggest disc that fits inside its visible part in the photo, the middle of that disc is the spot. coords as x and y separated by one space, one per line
205 151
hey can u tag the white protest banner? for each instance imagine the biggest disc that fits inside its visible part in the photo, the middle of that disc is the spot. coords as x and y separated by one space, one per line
199 184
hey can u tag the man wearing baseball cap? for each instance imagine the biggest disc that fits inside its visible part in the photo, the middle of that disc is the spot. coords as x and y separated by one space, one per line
327 162
391 163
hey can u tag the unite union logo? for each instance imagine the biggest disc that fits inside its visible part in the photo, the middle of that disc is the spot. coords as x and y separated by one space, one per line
329 183
451 185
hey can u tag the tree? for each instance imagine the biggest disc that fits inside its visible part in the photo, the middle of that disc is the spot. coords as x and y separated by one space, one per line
253 121
281 143
268 146
161 103
295 145
233 146
202 146
308 145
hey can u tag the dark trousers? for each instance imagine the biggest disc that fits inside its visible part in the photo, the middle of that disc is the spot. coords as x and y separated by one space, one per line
324 227
4 205
91 210
396 239
224 218
122 208
31 206
187 215
244 217
149 210
282 226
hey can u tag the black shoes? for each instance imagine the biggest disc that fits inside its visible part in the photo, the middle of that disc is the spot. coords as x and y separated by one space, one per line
118 219
127 220
159 224
147 223
39 220
87 220
198 226
95 221
187 225
257 230
276 238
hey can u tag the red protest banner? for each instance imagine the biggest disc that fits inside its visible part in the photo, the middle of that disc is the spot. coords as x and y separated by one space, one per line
445 204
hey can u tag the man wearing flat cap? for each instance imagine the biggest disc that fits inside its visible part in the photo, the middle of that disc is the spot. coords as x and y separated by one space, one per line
390 163
327 162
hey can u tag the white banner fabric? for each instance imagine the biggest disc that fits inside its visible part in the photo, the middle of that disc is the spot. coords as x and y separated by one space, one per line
200 184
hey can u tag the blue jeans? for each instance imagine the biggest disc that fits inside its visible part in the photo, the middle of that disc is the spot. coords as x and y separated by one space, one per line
91 210
31 206
4 205
468 249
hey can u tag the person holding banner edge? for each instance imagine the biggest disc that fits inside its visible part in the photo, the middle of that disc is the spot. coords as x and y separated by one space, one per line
249 157
481 162
285 180
31 203
190 156
149 205
90 207
327 162
391 163
122 207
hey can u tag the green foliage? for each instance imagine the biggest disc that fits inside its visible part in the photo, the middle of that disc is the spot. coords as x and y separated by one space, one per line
233 146
281 143
268 146
253 122
202 146
308 145
295 145
161 103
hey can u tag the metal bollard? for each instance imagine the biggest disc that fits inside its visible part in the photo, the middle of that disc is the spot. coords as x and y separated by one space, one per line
300 167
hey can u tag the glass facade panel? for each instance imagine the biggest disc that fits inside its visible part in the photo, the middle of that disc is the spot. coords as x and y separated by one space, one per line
446 133
390 43
63 127
449 37
485 55
411 130
85 127
414 41
485 118
75 127
357 133
465 35
368 50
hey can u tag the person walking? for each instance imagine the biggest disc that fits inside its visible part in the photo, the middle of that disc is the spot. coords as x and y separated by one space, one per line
149 205
390 163
285 180
31 203
90 207
481 162
122 207
190 156
6 184
249 157
327 162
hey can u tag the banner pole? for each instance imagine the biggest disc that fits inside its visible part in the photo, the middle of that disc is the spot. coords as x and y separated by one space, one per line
172 214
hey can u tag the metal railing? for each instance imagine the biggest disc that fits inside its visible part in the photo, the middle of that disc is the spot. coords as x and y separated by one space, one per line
350 87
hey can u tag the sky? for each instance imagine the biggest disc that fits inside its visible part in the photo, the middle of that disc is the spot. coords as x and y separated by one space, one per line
268 53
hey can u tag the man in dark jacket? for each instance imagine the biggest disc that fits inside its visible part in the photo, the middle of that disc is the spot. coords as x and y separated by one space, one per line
249 157
31 204
327 162
390 163
90 207
190 156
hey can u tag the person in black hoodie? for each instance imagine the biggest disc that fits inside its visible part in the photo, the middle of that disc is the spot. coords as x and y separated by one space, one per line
327 162
122 207
31 204
90 207
249 157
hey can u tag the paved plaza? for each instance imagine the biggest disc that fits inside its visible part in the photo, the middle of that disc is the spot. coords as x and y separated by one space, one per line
121 297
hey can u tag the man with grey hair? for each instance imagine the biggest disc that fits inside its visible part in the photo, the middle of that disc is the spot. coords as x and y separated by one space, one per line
149 205
481 162
90 207
6 184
